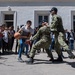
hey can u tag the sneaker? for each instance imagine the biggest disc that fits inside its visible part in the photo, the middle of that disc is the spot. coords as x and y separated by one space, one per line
20 60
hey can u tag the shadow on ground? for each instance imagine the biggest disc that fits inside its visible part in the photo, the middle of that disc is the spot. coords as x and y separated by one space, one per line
3 57
40 61
72 64
7 53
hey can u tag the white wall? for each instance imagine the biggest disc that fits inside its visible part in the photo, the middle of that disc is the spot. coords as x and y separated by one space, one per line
25 13
37 0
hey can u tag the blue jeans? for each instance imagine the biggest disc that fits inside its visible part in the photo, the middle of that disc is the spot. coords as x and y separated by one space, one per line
52 44
22 45
71 44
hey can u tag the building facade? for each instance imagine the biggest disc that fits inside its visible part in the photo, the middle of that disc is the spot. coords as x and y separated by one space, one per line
17 12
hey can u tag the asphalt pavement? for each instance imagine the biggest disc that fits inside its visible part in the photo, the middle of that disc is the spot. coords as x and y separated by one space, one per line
9 65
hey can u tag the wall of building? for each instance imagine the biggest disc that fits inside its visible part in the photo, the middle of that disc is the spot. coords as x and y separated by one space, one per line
37 0
27 12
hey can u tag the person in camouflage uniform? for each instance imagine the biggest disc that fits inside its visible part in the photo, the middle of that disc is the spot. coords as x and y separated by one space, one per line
44 42
57 28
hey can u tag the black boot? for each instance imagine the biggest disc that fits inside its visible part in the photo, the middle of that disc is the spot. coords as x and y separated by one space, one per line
71 55
27 55
52 59
59 59
31 60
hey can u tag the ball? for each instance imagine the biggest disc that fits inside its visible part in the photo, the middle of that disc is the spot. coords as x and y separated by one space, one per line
17 35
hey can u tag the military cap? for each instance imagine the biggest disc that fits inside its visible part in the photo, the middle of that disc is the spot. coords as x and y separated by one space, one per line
54 9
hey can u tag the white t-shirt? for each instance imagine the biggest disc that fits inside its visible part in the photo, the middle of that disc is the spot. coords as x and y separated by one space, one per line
24 28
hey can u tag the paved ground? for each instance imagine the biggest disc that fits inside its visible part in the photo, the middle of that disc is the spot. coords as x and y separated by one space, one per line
9 65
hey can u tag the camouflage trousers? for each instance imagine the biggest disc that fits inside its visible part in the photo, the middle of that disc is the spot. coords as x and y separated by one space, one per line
42 43
60 42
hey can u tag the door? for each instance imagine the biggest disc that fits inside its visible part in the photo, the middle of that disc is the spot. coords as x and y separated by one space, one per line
74 23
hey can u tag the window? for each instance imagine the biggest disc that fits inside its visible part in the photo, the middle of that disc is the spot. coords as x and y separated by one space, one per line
74 23
43 17
9 19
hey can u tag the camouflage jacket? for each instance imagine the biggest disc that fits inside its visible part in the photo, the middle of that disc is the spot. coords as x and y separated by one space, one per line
43 33
56 24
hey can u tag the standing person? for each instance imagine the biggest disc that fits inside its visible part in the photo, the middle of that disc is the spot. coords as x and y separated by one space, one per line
57 28
13 32
5 39
35 31
67 35
1 36
17 42
11 37
71 40
0 39
26 32
2 30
